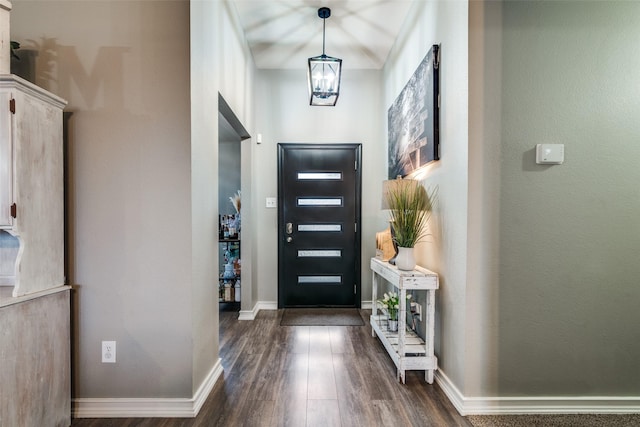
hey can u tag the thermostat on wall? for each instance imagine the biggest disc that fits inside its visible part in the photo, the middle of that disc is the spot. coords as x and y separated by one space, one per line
549 154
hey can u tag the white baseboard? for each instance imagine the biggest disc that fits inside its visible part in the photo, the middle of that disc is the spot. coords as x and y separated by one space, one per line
450 389
248 314
538 404
267 305
147 407
207 385
260 305
272 305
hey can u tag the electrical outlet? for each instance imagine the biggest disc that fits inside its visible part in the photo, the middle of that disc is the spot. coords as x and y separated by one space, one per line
108 352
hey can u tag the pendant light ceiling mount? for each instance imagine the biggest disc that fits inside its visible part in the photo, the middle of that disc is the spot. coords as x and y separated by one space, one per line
324 12
324 72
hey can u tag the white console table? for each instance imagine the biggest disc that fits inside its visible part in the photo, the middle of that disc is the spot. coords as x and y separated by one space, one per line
407 350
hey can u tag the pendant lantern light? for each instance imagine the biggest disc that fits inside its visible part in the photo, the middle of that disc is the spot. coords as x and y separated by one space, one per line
324 72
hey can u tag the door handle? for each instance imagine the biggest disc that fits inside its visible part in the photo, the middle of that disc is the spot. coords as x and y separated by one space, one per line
289 239
289 228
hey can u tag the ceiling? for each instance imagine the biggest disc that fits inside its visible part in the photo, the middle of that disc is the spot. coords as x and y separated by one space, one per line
285 33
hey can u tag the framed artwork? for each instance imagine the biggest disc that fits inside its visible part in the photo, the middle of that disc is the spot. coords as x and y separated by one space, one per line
414 119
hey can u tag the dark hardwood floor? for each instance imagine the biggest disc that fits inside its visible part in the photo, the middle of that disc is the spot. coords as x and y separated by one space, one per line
307 376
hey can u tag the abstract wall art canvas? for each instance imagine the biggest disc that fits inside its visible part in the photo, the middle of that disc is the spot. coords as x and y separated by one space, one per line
414 119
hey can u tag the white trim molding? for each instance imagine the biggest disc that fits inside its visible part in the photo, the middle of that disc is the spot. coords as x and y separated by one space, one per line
260 305
272 305
536 404
247 314
366 305
148 407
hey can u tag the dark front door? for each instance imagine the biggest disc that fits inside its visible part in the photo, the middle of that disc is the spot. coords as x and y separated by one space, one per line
319 225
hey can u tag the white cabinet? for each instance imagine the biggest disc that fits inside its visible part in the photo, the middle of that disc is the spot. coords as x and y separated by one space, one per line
31 187
6 160
407 350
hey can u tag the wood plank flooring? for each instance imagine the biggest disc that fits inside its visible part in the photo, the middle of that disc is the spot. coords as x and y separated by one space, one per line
307 376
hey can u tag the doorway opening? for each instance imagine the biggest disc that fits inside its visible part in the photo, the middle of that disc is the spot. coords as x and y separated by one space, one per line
234 192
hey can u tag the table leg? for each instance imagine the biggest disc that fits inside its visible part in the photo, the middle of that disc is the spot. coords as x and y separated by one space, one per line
402 321
374 297
431 319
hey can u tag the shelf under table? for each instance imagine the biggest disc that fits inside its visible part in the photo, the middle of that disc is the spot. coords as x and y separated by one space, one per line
413 344
415 350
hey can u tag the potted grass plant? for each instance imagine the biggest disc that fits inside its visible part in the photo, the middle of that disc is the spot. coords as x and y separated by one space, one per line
410 209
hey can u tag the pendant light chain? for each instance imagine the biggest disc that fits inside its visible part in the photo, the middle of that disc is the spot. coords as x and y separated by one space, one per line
324 23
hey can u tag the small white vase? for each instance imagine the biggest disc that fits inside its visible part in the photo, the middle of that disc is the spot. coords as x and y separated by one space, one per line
405 259
393 325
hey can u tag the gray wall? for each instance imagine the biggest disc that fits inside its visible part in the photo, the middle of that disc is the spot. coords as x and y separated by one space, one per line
556 249
569 235
537 263
445 251
142 79
220 64
483 262
123 67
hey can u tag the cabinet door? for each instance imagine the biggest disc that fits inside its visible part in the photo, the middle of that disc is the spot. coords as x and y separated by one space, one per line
6 160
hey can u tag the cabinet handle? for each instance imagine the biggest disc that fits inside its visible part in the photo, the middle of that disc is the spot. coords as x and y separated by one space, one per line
14 211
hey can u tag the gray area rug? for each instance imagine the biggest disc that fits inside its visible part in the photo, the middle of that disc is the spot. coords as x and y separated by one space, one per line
321 317
559 420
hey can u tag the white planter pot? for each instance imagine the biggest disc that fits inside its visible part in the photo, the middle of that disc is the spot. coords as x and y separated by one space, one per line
393 325
405 259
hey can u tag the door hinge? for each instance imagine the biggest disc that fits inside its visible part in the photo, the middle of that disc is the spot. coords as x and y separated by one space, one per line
14 211
355 165
12 105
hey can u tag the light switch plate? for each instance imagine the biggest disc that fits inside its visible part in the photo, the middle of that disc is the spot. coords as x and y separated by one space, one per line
271 202
550 154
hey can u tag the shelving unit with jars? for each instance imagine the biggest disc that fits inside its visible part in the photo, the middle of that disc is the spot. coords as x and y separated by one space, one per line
230 267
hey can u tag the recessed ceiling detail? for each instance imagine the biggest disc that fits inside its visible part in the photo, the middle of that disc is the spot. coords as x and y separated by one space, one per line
284 33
